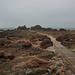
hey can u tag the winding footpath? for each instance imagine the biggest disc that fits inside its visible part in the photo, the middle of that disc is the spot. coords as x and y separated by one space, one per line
67 56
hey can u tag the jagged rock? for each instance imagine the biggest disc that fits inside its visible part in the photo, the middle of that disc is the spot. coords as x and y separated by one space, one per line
22 27
46 43
36 27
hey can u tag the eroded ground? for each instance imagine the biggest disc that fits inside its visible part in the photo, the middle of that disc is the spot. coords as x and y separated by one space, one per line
67 38
24 53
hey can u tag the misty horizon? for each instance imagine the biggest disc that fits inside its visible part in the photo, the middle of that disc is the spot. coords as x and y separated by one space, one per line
47 13
35 25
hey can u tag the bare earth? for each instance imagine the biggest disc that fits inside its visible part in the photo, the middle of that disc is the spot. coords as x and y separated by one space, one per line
26 52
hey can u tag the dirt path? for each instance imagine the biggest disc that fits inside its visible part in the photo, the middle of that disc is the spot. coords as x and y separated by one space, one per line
67 56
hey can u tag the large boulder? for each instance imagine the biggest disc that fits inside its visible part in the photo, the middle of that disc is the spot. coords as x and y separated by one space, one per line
46 43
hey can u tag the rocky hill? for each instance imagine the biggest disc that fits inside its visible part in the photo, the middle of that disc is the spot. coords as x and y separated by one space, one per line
22 27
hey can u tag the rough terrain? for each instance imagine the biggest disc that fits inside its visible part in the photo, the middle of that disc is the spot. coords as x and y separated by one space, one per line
25 52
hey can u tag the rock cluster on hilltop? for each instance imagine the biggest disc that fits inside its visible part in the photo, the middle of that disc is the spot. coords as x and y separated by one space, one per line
22 27
61 29
39 27
36 27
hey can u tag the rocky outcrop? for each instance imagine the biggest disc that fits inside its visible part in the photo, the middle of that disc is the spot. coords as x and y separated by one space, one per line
61 29
36 27
46 43
22 27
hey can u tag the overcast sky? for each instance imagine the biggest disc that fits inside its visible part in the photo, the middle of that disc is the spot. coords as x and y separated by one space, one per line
47 13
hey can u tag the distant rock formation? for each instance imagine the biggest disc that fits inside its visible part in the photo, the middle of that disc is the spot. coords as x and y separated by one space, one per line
22 27
61 29
49 29
36 27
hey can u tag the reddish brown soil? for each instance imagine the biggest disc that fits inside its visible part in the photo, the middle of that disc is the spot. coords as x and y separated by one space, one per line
67 40
21 54
20 50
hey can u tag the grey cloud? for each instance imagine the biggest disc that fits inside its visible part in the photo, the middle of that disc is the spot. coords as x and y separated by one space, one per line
48 13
